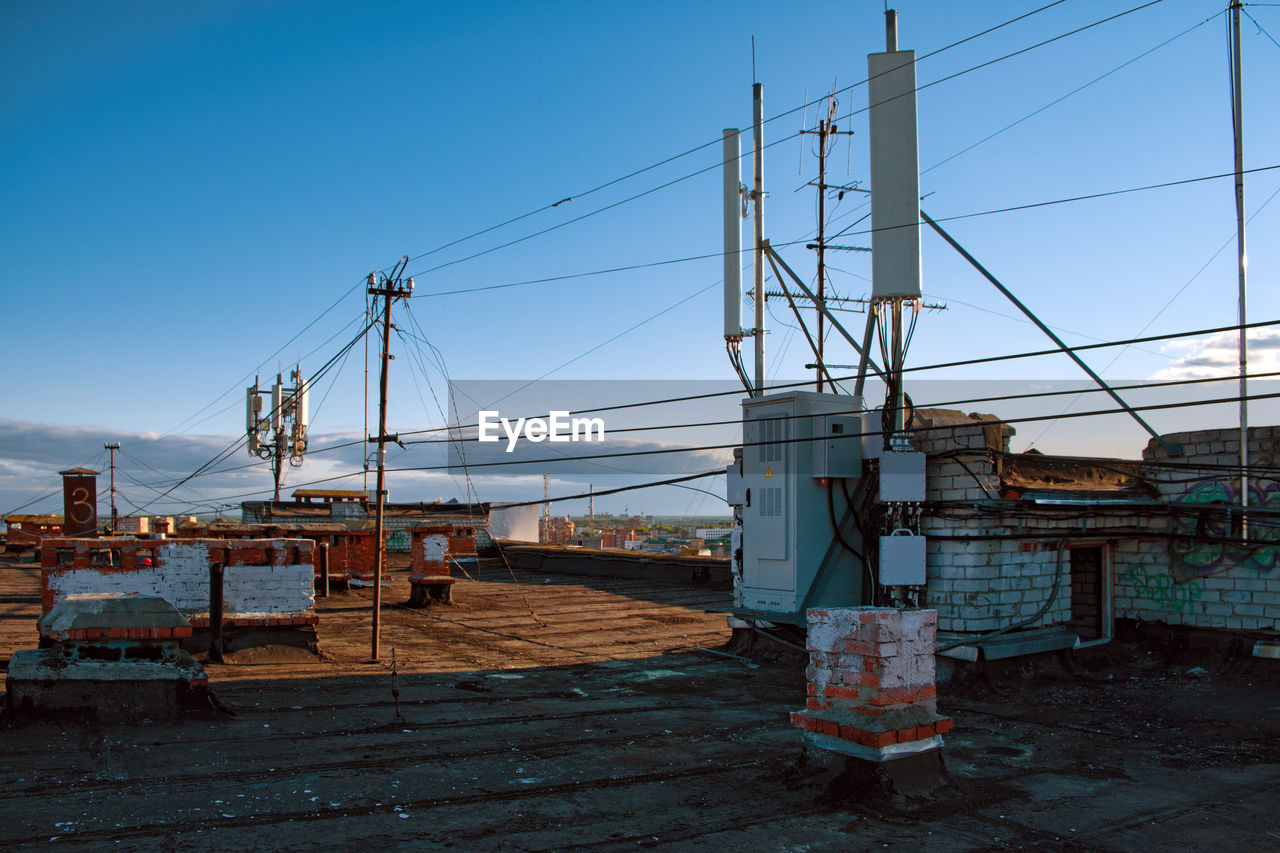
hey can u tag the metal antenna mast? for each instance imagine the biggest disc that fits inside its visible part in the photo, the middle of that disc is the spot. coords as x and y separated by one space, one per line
1237 132
757 195
389 288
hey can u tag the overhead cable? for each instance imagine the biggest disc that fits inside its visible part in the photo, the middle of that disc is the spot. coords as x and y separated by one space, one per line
779 141
914 430
937 366
570 197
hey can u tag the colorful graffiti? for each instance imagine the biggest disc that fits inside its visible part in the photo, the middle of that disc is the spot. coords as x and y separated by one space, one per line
1210 553
1164 591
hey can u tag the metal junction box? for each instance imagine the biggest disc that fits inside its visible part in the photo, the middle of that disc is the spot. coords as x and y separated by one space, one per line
796 446
902 559
902 477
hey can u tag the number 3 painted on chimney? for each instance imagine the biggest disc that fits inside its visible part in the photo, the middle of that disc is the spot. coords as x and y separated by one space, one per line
81 510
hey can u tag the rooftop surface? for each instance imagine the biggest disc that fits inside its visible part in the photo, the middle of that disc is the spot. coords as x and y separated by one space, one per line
545 712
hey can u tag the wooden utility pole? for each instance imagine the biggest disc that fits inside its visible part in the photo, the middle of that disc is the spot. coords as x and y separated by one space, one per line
113 446
826 130
389 288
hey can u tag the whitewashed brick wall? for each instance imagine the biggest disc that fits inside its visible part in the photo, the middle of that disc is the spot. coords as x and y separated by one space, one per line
180 575
988 583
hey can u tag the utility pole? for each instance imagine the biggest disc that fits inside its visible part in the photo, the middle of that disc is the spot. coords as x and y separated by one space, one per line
823 126
113 446
1237 133
389 288
826 129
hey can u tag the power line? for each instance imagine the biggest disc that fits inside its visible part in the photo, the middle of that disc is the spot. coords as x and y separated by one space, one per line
1074 91
279 350
938 366
244 439
1261 28
915 430
716 165
1144 386
687 398
720 254
743 444
1166 305
673 481
570 197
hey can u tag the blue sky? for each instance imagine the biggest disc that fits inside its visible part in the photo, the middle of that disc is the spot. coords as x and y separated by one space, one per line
189 186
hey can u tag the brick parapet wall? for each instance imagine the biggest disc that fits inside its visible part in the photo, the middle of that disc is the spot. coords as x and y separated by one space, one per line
985 583
934 438
989 583
1206 584
264 580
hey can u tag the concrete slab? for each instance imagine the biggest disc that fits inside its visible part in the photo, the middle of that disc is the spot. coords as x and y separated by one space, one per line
109 610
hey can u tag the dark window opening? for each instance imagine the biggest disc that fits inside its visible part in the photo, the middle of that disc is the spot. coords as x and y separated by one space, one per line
1087 593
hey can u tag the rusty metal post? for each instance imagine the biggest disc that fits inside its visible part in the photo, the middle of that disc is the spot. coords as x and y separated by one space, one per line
322 554
215 612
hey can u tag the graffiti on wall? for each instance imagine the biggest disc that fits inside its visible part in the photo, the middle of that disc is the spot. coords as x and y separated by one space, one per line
1189 558
1164 591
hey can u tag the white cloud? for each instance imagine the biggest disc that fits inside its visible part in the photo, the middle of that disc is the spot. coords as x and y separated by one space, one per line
1219 356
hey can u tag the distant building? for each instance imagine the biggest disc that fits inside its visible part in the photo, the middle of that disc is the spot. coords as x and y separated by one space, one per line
557 531
356 510
619 538
146 525
26 531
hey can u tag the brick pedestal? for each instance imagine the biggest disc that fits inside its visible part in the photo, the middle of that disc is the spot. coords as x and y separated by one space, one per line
871 683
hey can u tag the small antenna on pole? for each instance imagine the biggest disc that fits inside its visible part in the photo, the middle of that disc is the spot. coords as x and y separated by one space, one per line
755 78
804 123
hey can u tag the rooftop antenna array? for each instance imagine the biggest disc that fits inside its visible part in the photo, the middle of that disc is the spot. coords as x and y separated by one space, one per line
895 220
282 431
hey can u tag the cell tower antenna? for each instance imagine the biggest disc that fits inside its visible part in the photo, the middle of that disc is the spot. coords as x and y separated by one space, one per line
282 431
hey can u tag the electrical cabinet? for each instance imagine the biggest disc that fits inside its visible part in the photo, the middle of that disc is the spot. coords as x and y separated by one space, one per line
797 446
